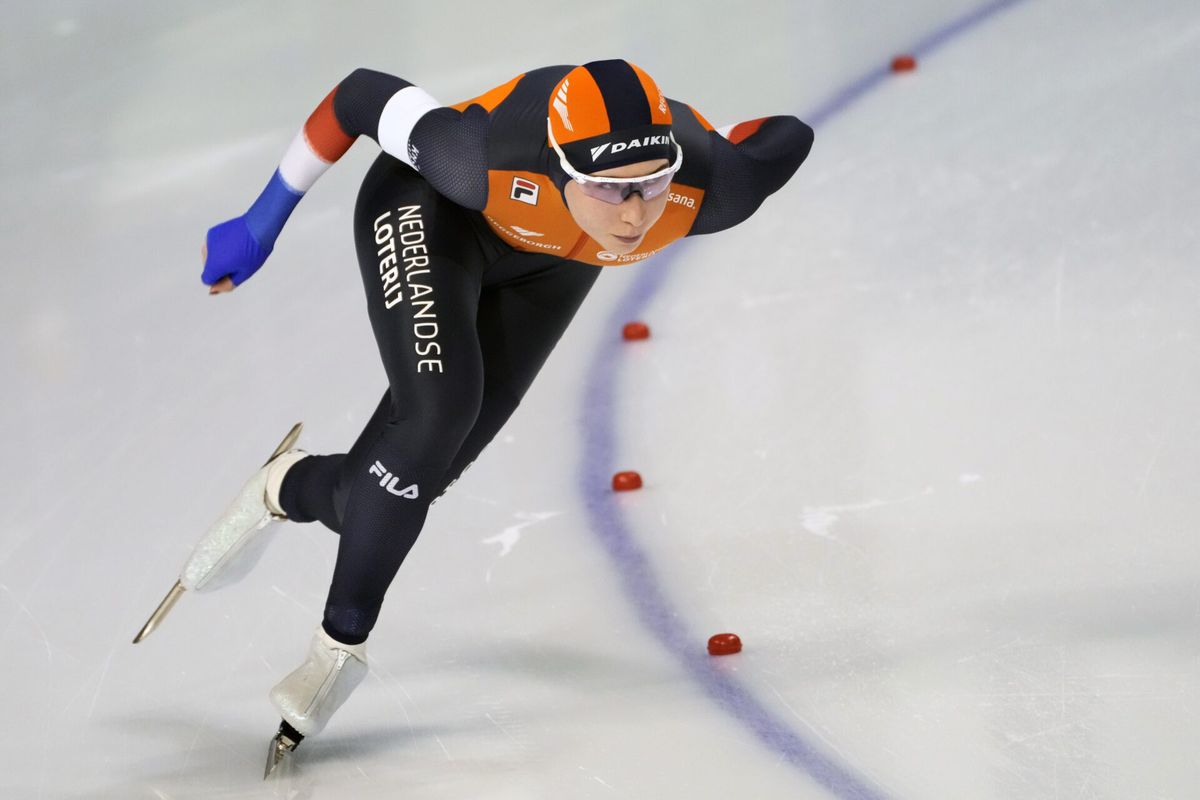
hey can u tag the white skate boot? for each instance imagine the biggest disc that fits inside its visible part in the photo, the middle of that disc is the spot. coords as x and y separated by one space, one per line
310 695
235 542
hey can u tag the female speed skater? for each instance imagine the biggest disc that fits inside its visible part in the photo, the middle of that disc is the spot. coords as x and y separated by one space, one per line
479 230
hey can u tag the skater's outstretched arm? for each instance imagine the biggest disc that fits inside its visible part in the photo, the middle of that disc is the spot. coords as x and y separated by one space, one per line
749 161
446 145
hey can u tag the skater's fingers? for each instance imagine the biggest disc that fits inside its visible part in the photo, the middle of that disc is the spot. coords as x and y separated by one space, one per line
223 285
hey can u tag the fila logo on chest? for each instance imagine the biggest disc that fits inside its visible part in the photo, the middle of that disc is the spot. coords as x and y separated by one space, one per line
524 190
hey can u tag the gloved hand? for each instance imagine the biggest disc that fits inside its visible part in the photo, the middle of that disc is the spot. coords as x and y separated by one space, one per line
232 250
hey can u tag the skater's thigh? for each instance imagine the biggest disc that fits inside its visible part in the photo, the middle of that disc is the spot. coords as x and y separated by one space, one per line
421 269
522 319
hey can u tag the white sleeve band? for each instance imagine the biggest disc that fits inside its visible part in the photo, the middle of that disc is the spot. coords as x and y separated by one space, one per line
300 166
399 117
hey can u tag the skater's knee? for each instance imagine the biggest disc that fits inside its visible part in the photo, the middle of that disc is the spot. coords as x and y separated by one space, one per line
430 433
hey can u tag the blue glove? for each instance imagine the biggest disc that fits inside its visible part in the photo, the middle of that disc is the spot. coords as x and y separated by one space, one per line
232 251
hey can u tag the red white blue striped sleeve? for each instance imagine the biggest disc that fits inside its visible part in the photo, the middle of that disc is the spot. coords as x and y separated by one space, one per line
382 106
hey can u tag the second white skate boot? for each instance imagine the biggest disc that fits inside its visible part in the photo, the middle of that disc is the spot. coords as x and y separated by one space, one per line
310 695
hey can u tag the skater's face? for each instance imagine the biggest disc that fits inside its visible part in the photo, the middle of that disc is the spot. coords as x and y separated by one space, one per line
618 228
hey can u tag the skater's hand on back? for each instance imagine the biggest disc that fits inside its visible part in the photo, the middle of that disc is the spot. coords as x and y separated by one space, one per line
231 255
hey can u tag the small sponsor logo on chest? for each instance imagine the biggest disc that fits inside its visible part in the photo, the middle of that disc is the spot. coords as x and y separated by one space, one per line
523 235
630 258
681 199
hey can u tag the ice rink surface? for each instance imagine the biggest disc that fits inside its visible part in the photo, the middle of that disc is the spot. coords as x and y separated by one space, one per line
923 431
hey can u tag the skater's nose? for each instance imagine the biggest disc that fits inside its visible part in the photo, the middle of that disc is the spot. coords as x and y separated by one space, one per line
633 210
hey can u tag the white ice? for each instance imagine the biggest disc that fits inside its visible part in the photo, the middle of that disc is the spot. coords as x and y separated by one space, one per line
923 431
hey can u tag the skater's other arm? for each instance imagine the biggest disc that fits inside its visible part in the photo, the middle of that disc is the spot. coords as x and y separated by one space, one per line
446 145
749 161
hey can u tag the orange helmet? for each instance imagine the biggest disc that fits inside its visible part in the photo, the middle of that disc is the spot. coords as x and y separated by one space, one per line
607 114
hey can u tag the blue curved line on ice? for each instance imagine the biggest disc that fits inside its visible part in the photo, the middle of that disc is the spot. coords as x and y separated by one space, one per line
609 523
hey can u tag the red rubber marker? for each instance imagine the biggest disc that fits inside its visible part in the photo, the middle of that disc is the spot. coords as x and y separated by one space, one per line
904 64
724 644
626 481
635 330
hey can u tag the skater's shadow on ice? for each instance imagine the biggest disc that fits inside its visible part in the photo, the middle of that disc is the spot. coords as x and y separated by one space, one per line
548 663
365 742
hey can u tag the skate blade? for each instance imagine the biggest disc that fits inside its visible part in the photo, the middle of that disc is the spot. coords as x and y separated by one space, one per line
161 612
278 752
287 442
